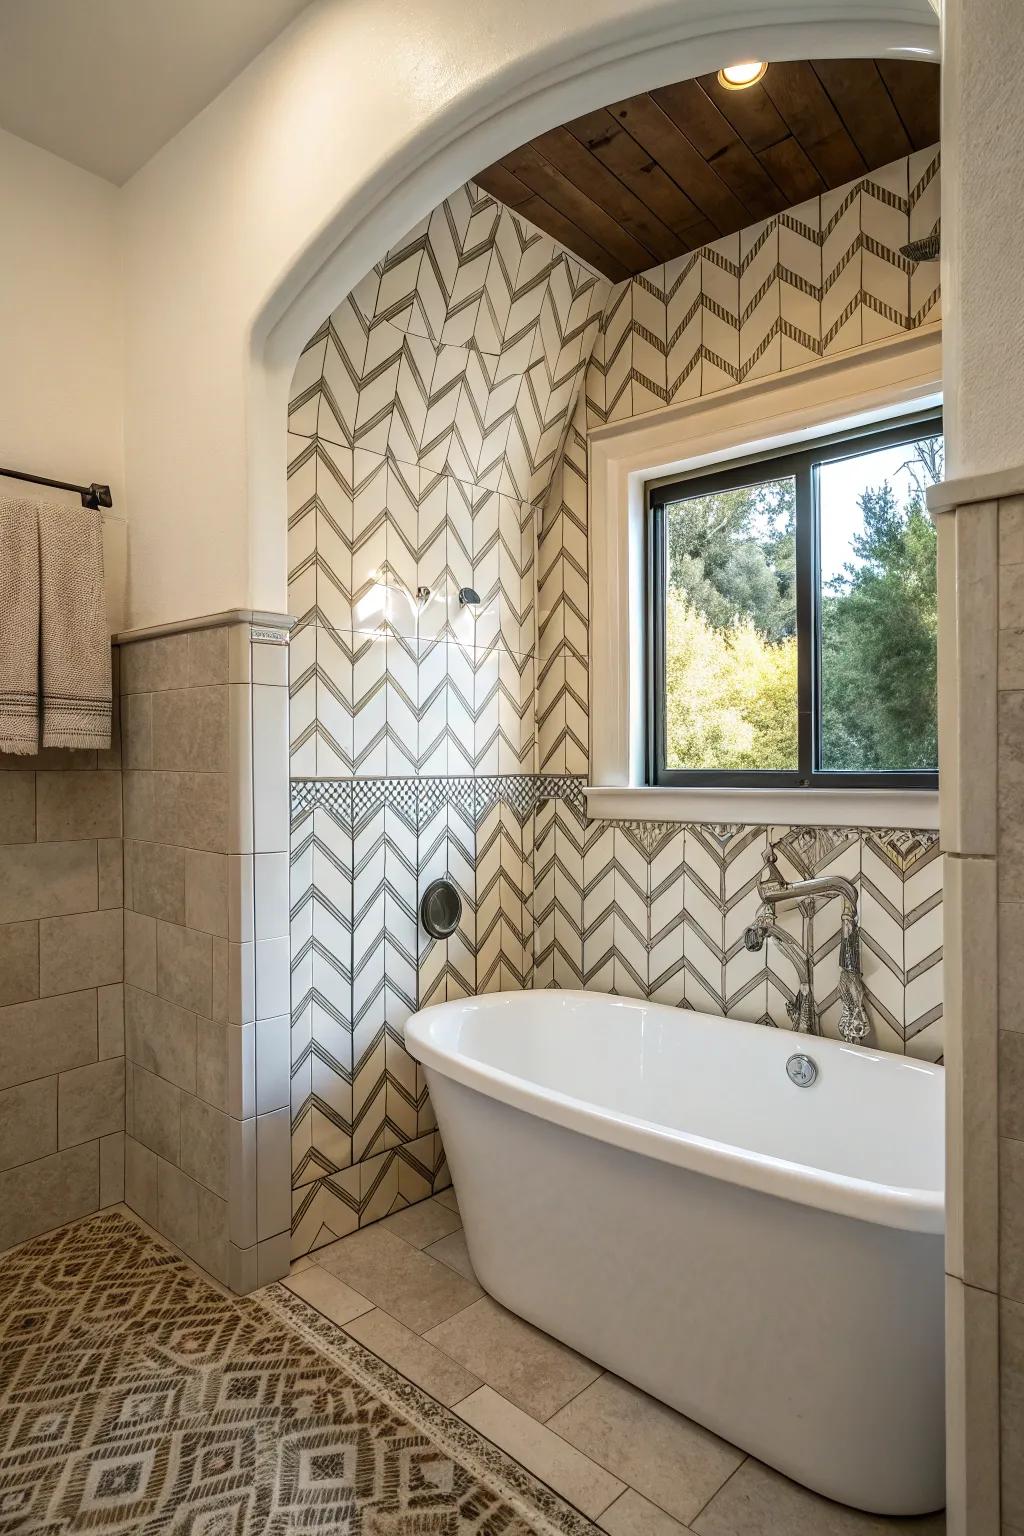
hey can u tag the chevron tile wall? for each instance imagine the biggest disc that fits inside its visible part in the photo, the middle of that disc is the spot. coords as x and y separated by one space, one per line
657 910
438 440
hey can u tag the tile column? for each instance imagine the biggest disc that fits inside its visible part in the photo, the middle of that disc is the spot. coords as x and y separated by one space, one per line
208 1161
981 726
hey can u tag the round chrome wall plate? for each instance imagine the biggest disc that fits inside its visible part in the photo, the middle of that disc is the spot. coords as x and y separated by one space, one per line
440 909
801 1070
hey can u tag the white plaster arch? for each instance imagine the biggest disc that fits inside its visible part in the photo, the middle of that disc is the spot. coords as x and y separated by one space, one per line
251 225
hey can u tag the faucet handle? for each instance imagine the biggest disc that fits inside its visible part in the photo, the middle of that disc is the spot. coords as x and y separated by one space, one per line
771 874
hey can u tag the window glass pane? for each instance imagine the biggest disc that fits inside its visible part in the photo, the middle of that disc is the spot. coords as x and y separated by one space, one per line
878 610
730 629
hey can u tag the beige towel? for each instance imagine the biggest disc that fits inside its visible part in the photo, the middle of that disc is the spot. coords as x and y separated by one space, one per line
19 626
74 634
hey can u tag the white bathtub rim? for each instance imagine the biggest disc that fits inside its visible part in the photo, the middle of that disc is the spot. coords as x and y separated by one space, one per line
890 1205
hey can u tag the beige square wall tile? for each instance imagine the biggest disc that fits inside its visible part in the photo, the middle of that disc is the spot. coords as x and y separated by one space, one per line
1011 965
670 1460
19 962
150 665
204 1144
38 1039
140 950
972 1409
535 1372
156 880
208 657
77 805
112 1169
160 1037
137 730
190 730
140 1180
47 879
589 1486
39 1196
1011 1218
83 951
184 967
206 892
17 807
1011 1084
90 1102
110 857
203 811
1011 1351
28 1121
153 1113
110 1020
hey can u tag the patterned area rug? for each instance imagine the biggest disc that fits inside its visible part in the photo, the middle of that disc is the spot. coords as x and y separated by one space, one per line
135 1397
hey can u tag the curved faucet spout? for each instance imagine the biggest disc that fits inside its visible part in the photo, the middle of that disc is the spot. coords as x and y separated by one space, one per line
773 888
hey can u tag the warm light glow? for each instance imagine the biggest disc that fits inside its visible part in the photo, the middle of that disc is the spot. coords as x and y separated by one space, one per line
736 77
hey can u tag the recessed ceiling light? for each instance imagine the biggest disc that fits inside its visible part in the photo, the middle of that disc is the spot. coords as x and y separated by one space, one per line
737 77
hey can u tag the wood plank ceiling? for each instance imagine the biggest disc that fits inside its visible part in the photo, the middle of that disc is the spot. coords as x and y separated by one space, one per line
644 180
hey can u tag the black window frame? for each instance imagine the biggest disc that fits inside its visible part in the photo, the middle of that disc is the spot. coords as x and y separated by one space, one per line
799 463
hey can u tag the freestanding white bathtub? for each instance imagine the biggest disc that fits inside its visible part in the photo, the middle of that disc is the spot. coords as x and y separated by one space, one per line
647 1185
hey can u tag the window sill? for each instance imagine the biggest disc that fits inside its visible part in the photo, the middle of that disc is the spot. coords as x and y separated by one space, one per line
917 808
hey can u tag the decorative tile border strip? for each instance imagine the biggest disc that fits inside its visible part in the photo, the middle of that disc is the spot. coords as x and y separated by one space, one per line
349 801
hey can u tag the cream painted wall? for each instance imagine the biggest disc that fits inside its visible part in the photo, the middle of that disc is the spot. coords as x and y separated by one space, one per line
60 330
267 208
983 234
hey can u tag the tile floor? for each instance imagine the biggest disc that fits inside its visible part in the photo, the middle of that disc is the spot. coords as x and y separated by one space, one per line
406 1290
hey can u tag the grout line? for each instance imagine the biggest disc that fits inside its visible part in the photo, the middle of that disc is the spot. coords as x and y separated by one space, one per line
708 1502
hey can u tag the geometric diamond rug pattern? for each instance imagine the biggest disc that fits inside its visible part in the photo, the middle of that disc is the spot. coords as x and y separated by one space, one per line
135 1397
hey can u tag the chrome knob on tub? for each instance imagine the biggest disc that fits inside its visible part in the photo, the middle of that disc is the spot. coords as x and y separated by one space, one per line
801 1070
440 909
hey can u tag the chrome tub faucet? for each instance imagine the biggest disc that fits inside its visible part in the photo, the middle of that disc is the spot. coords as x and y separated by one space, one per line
774 890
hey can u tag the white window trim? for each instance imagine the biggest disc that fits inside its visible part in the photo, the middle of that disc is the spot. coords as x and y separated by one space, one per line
875 382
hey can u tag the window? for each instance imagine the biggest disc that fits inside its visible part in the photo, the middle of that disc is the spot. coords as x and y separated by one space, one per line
793 617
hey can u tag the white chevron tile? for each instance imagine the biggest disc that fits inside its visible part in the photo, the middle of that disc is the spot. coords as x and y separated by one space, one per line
760 301
304 394
885 226
841 269
800 283
650 341
925 219
683 327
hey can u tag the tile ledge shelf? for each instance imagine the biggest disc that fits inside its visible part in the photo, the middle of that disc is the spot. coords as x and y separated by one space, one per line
968 490
207 621
917 808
